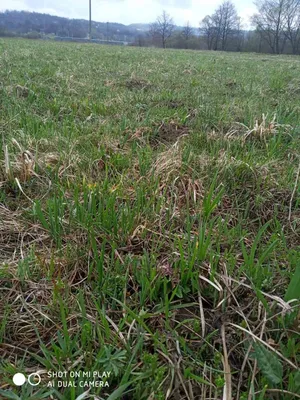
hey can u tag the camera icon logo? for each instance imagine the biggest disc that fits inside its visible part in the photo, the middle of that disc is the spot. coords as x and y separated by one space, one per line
33 379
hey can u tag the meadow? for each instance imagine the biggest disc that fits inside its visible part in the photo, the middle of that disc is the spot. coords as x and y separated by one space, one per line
149 222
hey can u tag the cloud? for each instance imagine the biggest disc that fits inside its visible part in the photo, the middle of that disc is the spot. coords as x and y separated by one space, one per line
183 4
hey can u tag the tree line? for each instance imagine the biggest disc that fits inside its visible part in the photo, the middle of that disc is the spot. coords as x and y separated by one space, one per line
277 30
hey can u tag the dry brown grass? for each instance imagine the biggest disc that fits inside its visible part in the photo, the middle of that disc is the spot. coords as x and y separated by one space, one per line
16 236
262 129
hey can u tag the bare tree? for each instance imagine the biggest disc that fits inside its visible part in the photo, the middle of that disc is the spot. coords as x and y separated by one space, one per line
271 23
208 29
228 20
187 34
217 23
292 24
162 28
220 26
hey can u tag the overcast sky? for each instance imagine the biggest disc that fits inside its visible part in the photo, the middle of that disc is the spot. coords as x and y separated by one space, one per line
129 11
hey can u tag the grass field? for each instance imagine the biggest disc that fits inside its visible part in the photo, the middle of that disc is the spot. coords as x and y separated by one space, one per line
149 222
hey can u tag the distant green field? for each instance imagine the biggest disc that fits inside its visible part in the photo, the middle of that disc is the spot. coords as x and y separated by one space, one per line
149 223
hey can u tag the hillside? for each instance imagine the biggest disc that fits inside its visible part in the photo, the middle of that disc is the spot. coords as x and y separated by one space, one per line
22 22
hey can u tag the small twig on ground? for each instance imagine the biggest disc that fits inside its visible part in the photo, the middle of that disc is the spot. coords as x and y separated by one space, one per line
227 394
201 314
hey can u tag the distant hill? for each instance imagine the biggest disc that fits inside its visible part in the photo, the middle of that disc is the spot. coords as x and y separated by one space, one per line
24 22
140 27
146 27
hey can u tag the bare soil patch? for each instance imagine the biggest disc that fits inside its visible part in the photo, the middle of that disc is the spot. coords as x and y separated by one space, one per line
136 83
169 133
